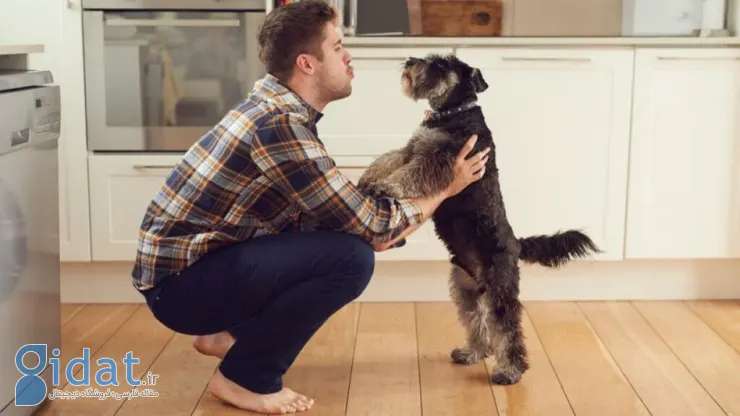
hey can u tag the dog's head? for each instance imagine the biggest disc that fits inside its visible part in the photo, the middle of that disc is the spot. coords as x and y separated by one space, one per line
444 80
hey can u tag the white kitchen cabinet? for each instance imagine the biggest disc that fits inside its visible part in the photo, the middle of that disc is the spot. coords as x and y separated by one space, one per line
121 187
74 198
377 116
561 122
684 185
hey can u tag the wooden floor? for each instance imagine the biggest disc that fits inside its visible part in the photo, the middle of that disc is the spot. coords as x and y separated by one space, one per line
587 358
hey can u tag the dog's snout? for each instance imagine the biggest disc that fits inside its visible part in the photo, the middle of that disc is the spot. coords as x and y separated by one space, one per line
411 62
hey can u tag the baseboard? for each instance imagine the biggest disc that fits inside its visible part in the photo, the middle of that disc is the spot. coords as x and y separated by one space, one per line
396 281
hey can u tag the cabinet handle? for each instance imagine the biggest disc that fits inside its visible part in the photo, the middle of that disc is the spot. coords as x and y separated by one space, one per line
544 59
142 167
379 58
699 58
172 22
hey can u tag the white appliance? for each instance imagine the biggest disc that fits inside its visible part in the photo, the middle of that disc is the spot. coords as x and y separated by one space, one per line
672 17
29 232
160 73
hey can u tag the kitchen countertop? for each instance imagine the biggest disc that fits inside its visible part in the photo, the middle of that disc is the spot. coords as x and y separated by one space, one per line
20 49
392 41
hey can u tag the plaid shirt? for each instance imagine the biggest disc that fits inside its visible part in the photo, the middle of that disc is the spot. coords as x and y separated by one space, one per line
261 170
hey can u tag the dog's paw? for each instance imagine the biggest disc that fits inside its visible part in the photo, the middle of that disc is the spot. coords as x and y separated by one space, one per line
382 190
465 356
506 377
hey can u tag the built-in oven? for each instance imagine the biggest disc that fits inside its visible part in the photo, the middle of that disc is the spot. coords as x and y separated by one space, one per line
161 73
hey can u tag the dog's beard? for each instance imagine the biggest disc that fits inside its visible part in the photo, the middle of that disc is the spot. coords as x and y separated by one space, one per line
417 87
407 85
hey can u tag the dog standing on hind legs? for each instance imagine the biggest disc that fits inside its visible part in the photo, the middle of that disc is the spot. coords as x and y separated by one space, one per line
484 280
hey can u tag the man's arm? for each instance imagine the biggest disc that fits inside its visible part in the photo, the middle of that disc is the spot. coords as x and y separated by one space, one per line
290 155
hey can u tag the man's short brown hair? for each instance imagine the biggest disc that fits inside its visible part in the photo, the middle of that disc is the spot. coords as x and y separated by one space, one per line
291 30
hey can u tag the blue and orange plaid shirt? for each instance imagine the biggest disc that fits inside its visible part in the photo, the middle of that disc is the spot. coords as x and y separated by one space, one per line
261 170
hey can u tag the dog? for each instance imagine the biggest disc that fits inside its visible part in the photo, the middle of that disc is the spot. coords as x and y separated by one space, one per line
484 252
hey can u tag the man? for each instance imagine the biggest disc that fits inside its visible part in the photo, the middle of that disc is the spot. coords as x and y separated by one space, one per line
255 238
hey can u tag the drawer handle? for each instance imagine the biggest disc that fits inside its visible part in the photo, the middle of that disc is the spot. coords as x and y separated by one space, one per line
699 58
544 59
379 58
143 167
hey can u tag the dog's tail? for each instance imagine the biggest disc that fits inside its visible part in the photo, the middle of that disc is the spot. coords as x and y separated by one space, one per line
557 249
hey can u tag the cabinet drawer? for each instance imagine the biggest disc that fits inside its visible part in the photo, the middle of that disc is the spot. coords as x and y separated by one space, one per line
121 187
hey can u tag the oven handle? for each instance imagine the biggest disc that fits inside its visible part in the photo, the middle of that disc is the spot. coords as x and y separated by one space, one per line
173 22
147 167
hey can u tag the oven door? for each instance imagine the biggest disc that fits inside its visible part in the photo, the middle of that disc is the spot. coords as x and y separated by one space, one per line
158 79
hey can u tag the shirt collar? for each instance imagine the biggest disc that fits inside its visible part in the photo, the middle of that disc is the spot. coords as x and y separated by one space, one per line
270 89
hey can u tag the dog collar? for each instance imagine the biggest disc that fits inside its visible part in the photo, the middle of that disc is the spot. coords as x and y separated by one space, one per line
465 107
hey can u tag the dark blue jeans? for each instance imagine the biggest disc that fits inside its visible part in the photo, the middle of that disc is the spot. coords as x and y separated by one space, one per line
271 293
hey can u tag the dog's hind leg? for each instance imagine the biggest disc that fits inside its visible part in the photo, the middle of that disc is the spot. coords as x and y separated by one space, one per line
505 315
473 316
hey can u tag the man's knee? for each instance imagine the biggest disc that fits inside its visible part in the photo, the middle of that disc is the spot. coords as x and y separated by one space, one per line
358 265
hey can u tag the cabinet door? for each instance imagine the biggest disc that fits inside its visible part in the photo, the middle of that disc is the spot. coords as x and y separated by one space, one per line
68 72
121 187
560 121
684 199
377 116
423 244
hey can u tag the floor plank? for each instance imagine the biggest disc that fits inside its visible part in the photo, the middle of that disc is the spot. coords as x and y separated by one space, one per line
709 358
321 371
590 378
663 383
90 328
385 370
448 388
723 316
145 337
183 375
539 391
68 310
324 368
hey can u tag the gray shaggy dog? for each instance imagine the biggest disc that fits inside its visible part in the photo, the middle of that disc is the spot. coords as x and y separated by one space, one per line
484 278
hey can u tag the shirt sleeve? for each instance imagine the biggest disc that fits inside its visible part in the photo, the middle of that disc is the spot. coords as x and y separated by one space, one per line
292 156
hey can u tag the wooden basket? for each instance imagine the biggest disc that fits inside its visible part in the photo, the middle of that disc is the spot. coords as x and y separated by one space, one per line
461 17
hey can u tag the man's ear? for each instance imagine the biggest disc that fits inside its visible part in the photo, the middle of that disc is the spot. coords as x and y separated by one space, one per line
479 83
303 62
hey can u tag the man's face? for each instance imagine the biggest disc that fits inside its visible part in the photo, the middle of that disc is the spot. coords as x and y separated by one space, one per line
334 73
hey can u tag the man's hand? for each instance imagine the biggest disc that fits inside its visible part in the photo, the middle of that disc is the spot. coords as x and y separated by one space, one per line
470 170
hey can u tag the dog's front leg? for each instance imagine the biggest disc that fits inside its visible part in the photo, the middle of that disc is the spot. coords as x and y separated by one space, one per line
381 168
423 176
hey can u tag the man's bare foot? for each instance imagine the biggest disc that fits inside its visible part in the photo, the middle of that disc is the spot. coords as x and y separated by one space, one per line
215 345
284 401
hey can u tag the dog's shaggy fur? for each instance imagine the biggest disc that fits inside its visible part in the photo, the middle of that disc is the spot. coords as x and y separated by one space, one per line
484 280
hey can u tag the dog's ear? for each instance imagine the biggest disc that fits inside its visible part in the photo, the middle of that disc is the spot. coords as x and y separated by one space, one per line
479 83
